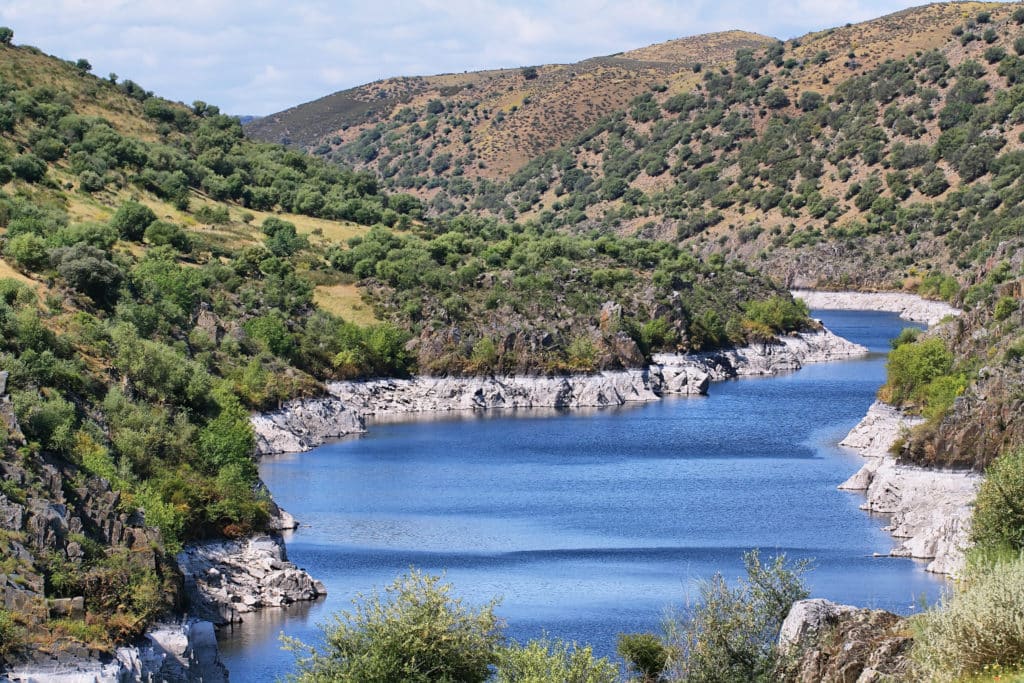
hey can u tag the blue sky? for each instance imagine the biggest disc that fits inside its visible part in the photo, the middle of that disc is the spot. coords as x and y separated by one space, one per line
262 56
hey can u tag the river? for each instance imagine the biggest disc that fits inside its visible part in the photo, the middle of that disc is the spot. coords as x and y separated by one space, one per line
593 522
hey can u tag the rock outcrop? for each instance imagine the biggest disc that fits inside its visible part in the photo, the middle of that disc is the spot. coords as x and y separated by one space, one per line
930 509
828 643
184 652
226 579
909 306
302 425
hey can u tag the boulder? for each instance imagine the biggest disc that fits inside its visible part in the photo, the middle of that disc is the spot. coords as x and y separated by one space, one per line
829 643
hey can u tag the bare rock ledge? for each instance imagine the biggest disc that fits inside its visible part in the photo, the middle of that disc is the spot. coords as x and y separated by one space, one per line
305 424
930 508
909 306
226 579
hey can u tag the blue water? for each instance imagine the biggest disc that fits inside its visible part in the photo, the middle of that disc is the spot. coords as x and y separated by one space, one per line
591 523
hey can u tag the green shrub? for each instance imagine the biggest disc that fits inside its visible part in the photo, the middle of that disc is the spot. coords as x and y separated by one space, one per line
731 634
162 233
998 521
28 167
911 367
27 251
415 632
645 653
979 625
907 335
12 636
779 313
131 220
546 661
1005 307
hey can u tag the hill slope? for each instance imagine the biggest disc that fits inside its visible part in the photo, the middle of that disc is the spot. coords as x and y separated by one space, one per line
490 123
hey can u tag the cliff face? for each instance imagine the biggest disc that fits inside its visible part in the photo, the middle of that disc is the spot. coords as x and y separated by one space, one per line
70 545
987 343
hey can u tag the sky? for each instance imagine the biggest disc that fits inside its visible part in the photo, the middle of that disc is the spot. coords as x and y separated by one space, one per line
261 56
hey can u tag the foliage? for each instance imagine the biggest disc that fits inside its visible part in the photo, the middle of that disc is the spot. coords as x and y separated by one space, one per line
12 635
977 626
415 631
912 367
552 661
646 654
998 521
731 634
131 220
779 313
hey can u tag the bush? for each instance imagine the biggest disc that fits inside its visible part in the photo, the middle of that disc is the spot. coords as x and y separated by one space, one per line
998 522
131 220
12 636
27 251
87 269
416 632
779 313
645 653
161 233
978 626
29 167
912 367
1005 307
731 634
545 661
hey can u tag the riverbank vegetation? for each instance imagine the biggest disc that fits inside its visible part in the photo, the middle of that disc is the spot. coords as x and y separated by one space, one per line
417 630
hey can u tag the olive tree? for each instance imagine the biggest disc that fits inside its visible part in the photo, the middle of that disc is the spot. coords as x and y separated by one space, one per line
414 632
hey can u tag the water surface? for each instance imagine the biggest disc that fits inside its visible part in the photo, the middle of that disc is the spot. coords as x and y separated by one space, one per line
590 523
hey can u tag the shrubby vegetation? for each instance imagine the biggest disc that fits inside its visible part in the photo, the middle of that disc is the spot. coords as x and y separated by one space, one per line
732 632
976 630
921 374
418 631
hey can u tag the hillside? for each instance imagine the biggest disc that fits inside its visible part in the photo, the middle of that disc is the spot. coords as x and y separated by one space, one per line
809 156
488 124
162 277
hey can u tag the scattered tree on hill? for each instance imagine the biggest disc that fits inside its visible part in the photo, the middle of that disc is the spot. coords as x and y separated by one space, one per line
6 35
131 220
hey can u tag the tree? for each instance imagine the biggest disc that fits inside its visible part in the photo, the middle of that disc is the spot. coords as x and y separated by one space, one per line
415 632
29 167
6 35
131 220
776 98
810 100
731 635
87 269
529 72
83 66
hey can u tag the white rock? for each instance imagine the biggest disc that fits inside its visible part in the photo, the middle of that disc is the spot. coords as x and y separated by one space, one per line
225 579
806 618
300 426
931 509
909 306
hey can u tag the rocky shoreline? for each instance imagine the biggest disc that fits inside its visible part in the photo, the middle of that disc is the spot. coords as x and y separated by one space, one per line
182 652
305 424
931 509
909 306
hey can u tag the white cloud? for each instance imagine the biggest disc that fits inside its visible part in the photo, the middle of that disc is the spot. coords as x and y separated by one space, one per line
261 56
